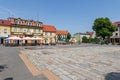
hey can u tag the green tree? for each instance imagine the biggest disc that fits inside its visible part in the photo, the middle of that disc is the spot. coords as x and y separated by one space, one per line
85 39
59 38
90 40
96 40
68 37
103 28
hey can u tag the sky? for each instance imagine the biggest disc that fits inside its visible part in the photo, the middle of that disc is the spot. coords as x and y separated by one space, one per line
72 15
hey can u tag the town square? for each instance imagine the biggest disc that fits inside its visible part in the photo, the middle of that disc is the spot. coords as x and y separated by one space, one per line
59 40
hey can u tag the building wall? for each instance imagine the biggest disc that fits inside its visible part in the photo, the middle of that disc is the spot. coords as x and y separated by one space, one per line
16 30
49 37
94 35
116 33
4 33
79 36
62 37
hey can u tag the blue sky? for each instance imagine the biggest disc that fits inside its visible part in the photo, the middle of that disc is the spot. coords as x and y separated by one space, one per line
72 15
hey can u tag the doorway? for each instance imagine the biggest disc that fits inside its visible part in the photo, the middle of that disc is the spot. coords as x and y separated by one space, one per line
26 42
35 42
2 41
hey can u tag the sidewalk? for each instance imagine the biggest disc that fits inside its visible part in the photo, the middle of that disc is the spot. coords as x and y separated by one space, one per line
13 68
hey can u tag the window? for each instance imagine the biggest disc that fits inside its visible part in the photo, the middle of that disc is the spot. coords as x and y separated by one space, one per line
20 29
50 34
28 30
36 24
116 34
50 40
28 23
46 33
24 30
5 31
118 25
21 22
17 22
15 29
2 22
34 30
116 29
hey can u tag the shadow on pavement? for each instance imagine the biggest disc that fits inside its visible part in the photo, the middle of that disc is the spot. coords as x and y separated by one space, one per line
112 76
10 78
2 67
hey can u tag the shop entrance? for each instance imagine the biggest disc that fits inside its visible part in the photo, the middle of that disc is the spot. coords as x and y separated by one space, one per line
2 41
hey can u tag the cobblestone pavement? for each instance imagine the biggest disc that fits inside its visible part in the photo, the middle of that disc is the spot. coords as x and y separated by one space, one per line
79 63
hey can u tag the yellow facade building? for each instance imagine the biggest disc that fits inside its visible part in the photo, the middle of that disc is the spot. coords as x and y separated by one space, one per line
25 28
49 34
4 30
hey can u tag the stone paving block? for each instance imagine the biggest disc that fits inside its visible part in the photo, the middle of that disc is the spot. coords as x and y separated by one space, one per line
81 62
63 77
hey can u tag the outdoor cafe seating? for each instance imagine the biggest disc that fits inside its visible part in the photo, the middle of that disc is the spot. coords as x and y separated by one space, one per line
26 41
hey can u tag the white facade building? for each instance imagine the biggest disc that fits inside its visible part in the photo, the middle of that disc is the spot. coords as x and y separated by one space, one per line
115 38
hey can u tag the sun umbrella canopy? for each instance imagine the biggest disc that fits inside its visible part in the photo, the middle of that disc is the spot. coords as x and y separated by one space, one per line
33 38
26 38
38 38
14 38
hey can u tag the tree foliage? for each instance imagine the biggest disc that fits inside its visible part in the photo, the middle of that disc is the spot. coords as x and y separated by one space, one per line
103 27
85 39
59 38
90 40
68 37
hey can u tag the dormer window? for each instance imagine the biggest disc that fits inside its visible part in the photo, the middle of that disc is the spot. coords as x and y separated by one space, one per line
28 23
18 22
15 22
36 24
21 22
2 22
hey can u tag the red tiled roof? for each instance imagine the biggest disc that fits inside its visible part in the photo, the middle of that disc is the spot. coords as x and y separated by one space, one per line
61 32
116 23
48 28
5 22
90 33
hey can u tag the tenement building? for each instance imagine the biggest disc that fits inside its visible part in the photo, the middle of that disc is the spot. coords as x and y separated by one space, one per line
21 28
62 34
115 38
24 31
25 28
49 34
4 30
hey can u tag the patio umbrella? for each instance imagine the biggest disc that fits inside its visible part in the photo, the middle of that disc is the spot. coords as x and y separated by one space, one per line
14 38
38 38
26 38
33 38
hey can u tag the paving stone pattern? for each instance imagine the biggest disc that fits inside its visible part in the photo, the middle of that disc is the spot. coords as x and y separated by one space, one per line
80 63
